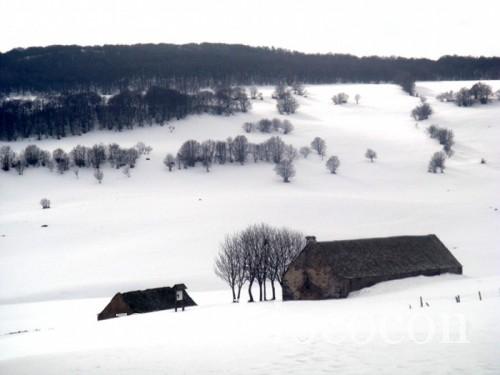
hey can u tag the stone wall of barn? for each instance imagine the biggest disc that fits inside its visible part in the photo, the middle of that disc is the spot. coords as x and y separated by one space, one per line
312 283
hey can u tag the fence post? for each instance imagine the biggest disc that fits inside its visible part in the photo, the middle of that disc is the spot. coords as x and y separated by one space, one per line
421 302
480 296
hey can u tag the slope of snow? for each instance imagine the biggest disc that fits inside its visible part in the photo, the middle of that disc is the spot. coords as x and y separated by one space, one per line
362 334
159 228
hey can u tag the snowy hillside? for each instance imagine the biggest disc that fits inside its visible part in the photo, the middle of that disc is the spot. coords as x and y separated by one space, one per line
158 228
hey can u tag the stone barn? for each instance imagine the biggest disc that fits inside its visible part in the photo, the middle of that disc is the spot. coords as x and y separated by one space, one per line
144 301
333 269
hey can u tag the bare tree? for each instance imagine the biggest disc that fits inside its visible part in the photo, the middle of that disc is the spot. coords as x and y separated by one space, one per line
287 104
7 157
265 234
370 154
61 159
319 145
126 170
140 147
19 163
230 266
32 155
481 92
285 170
265 125
437 162
253 92
79 156
298 89
288 245
239 95
276 148
422 112
332 164
45 203
97 155
248 127
99 175
240 149
305 151
340 98
221 152
279 91
189 153
169 162
287 127
252 245
290 153
207 153
464 98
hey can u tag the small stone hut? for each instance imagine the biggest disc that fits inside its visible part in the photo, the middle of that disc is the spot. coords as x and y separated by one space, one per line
333 269
144 301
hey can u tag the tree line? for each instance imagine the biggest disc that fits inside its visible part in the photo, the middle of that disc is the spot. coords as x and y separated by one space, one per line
79 157
257 255
193 66
78 113
232 150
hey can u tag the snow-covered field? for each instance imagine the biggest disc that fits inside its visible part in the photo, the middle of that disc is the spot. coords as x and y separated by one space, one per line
158 228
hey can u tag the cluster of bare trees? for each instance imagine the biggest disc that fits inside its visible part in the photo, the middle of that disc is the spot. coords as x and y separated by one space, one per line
260 254
79 157
269 126
286 103
422 111
340 98
444 136
237 150
465 97
343 98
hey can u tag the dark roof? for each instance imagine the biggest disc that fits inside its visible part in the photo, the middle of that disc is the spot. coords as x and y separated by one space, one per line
381 256
153 299
180 286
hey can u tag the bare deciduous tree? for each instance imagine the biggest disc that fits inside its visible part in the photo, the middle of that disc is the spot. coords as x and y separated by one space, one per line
285 170
287 104
248 127
45 203
230 264
207 153
370 154
332 164
305 151
437 162
319 145
169 162
422 112
340 98
99 175
240 149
